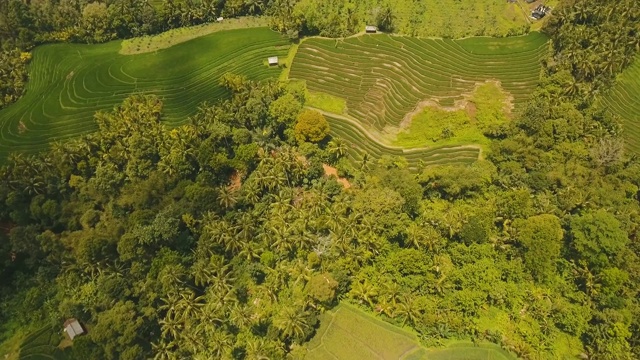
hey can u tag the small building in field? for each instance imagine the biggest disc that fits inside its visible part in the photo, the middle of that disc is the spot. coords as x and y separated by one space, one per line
219 19
371 29
73 328
273 61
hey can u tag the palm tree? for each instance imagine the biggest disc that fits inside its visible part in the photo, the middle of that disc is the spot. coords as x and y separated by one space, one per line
363 291
189 306
171 327
219 344
408 310
163 351
337 147
254 6
292 321
227 198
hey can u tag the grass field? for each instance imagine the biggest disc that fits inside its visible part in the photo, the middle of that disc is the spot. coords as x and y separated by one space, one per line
383 78
167 39
347 333
69 83
624 100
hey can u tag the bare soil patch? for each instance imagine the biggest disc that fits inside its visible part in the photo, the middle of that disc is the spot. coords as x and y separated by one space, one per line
331 171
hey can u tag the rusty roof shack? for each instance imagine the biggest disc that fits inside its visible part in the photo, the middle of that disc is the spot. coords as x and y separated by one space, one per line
73 328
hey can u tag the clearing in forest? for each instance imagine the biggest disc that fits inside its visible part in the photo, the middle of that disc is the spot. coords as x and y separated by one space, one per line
347 333
382 78
624 100
68 83
382 92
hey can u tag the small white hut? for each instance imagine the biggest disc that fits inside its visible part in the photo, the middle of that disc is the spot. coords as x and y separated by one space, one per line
73 328
273 61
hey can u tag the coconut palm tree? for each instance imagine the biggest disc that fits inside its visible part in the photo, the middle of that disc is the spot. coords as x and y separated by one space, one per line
292 321
227 198
337 147
408 310
363 291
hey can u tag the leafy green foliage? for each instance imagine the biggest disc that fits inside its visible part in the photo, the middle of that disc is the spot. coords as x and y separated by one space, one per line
311 126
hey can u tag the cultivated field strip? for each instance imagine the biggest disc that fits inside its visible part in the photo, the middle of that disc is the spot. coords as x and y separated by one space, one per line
69 83
624 100
359 143
383 77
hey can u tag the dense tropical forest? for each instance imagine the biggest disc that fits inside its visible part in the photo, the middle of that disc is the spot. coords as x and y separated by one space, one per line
223 238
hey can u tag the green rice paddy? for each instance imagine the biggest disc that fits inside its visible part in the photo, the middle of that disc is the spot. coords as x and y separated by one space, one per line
68 83
42 345
383 78
624 100
369 84
348 333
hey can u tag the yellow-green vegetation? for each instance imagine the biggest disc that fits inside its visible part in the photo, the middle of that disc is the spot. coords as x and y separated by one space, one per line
624 100
444 18
326 102
167 39
466 124
311 126
288 61
347 332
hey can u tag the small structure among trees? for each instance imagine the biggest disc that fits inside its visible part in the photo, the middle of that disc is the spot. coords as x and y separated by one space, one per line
540 12
73 328
370 29
273 61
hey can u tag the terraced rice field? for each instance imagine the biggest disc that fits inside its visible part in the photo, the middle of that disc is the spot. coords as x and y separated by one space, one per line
42 345
360 142
69 83
383 78
348 333
624 100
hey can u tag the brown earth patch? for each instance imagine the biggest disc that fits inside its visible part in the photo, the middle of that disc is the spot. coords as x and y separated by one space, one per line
331 171
471 110
236 181
6 226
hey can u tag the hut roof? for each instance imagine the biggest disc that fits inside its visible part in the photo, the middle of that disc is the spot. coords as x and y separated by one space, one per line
370 28
273 60
72 328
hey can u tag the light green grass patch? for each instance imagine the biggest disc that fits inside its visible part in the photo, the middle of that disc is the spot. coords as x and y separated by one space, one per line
167 39
326 102
288 61
348 333
465 124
